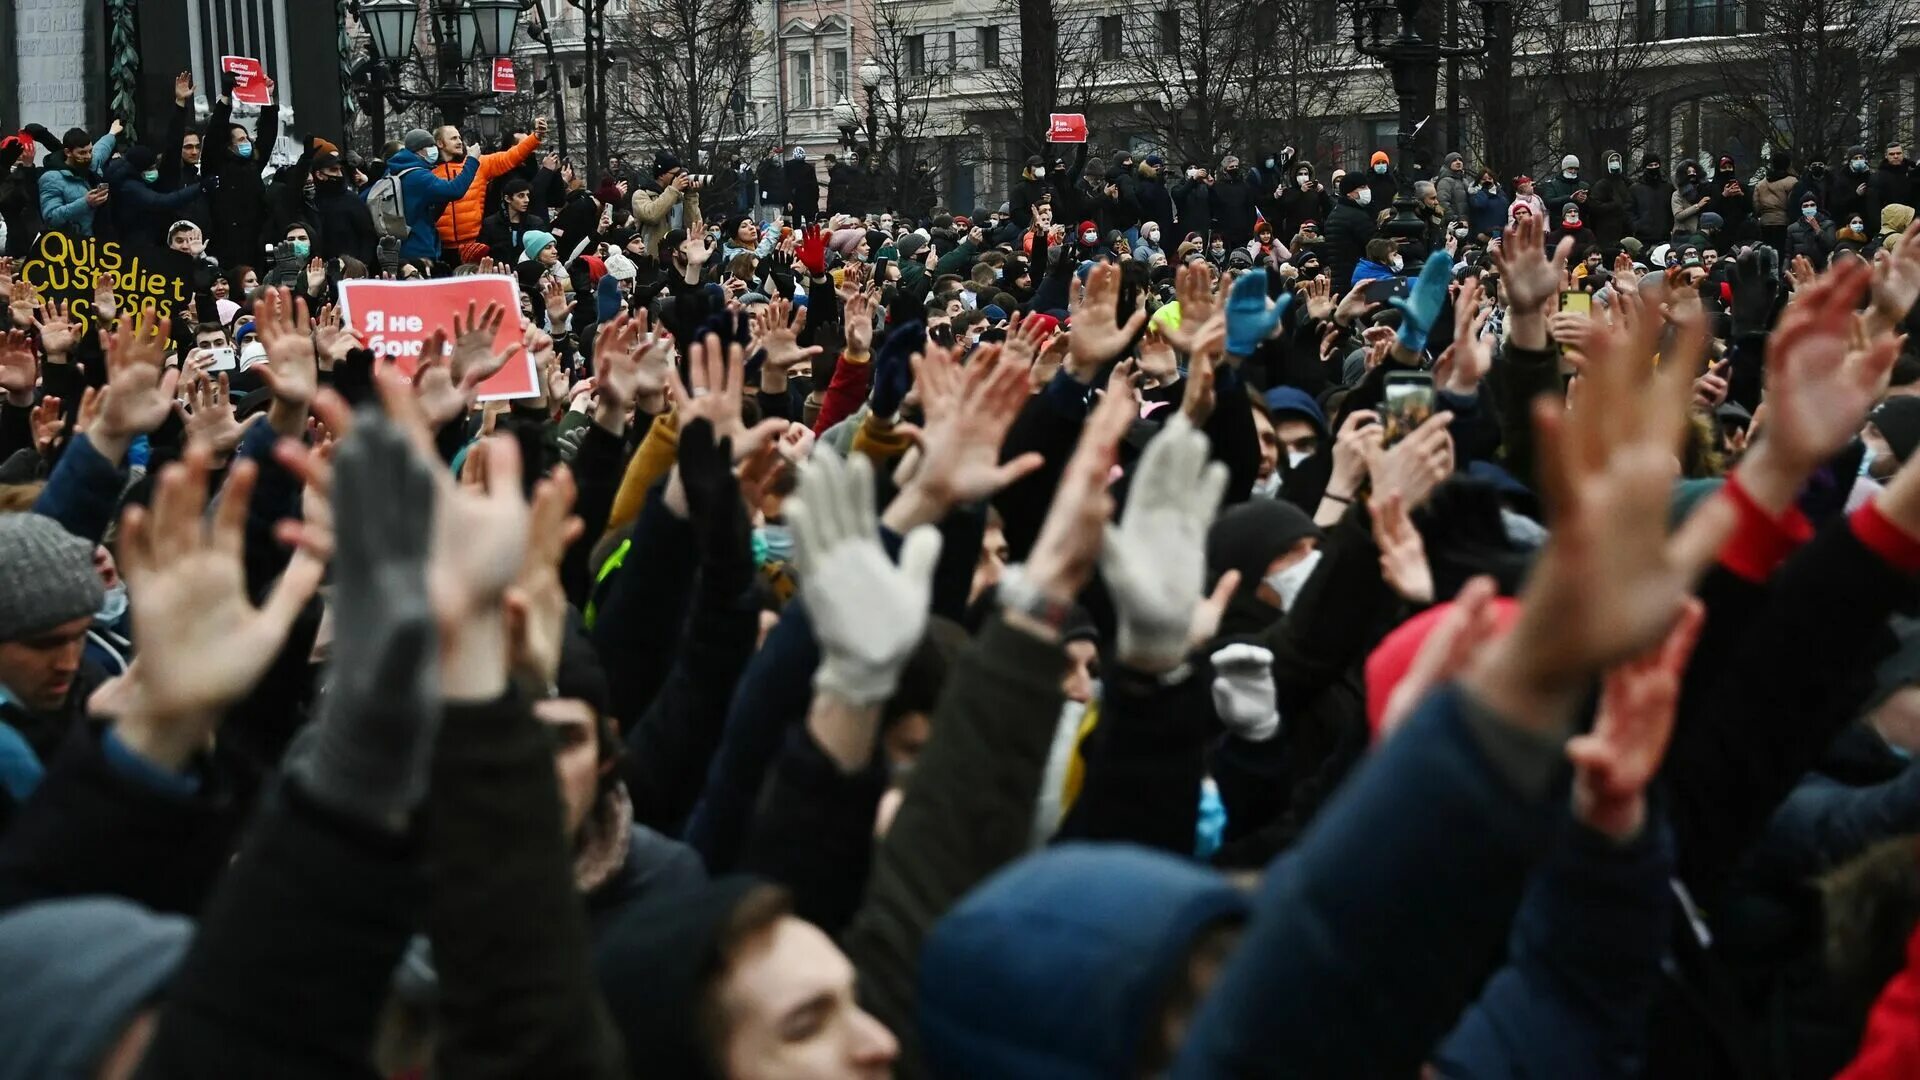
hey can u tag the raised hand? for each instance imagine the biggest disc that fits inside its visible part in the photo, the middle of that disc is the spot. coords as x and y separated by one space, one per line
717 375
1403 555
203 645
1098 336
1063 557
1251 317
1616 761
1528 276
140 388
1610 581
868 614
474 358
1320 302
1896 279
48 424
1155 561
208 412
553 293
536 603
968 412
58 331
1818 387
292 370
1200 294
1467 361
1198 400
1411 468
1356 444
778 327
19 368
858 320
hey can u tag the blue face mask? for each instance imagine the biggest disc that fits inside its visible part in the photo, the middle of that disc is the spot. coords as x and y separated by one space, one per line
113 607
300 248
243 151
430 155
151 175
1809 212
773 543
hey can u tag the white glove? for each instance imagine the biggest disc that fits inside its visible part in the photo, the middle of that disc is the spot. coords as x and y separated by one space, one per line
868 614
1243 693
1155 561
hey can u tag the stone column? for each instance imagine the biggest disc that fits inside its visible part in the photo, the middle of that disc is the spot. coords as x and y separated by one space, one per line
50 44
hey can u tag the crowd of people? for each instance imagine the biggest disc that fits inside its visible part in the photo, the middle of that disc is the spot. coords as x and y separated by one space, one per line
1216 626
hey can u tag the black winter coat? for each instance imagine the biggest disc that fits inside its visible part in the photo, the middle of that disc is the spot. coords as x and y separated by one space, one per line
1347 230
803 188
1233 199
1650 217
236 194
1195 200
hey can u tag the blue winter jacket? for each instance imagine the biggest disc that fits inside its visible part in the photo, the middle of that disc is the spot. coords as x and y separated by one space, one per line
1487 211
422 196
63 193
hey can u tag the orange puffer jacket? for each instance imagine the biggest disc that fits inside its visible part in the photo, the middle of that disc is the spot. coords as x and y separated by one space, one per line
460 222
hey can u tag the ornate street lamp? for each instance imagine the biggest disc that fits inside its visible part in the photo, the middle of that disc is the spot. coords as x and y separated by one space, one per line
1413 62
462 30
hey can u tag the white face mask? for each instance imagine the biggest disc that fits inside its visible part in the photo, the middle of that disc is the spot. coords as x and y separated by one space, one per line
1289 581
1153 236
1089 238
1296 458
1571 174
430 155
113 605
1363 196
1038 173
1268 488
1397 263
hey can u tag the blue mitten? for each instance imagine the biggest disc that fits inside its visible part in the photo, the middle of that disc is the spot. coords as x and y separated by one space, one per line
1419 311
1251 317
893 367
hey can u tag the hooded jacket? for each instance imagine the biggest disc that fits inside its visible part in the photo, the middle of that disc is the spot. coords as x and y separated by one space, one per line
803 187
422 194
1049 970
1487 210
140 212
1651 213
1609 203
1233 200
1297 204
460 222
1453 189
63 192
1849 192
1889 184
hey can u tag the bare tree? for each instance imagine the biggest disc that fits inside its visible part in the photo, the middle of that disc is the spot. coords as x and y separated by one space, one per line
1811 70
689 64
1586 78
899 113
1056 69
1213 79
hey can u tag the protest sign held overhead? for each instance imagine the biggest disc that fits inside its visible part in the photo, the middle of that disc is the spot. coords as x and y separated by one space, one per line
396 319
68 269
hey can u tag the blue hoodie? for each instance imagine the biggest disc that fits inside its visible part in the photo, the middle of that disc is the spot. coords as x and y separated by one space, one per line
422 196
1058 966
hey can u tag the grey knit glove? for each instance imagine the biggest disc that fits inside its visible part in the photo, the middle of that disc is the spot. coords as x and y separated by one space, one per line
369 754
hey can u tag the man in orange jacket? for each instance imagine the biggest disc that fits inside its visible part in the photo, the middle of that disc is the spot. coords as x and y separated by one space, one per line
459 223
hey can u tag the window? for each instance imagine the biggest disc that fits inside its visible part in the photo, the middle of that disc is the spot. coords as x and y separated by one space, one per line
1326 20
620 78
837 59
916 54
1574 11
986 41
1109 37
800 85
1702 18
1170 32
953 49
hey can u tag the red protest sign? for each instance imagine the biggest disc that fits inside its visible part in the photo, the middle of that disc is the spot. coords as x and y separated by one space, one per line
1067 127
395 319
504 80
253 87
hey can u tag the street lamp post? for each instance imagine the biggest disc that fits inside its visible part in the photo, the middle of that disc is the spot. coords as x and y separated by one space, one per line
1413 62
870 75
462 31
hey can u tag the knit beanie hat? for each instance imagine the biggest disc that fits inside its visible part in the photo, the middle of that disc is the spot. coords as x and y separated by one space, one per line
418 140
1897 419
910 245
46 576
1379 158
1351 183
1250 536
77 972
621 268
536 242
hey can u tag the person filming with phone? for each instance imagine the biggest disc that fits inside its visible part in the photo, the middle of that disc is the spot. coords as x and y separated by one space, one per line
70 194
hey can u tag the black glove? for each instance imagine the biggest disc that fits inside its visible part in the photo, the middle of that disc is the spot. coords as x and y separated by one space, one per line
229 82
1754 291
713 505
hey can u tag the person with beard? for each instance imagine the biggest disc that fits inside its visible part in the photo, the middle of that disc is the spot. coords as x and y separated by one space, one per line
1770 199
71 193
1608 202
1651 216
236 161
1305 199
459 223
1688 201
1729 198
1349 227
341 215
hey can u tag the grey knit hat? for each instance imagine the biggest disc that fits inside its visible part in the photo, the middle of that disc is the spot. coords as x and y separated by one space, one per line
418 139
46 576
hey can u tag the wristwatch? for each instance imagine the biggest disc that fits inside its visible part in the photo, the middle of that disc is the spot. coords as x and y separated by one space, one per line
1017 593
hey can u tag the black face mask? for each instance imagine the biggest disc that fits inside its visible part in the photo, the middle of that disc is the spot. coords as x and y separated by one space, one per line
942 336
